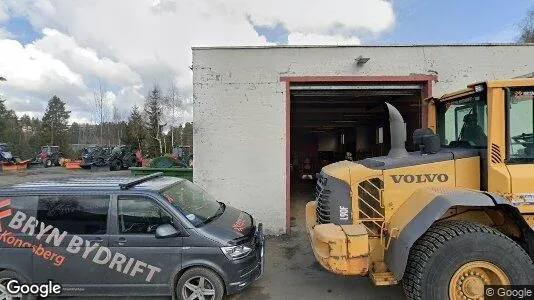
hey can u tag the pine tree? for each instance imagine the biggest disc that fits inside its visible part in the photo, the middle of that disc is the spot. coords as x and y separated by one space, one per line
154 114
54 130
187 134
17 133
74 133
135 130
9 128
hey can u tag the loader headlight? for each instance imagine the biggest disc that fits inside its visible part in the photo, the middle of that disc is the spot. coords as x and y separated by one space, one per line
236 252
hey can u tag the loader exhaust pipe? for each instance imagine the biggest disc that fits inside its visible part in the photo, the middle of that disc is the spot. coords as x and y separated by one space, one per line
397 130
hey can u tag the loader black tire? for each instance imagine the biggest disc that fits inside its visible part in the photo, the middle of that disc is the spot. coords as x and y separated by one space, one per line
448 245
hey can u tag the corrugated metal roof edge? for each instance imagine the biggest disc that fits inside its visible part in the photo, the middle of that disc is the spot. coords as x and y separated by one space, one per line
362 46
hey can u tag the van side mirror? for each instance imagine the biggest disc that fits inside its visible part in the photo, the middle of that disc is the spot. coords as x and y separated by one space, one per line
166 231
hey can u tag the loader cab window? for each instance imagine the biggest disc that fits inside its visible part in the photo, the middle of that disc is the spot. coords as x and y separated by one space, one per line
463 122
521 125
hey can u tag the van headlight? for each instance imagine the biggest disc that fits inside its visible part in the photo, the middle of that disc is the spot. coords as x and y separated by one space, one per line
236 252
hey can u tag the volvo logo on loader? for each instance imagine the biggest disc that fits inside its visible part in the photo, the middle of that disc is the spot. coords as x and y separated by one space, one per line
420 178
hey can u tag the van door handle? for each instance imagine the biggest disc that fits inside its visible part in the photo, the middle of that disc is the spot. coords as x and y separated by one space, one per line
121 241
98 240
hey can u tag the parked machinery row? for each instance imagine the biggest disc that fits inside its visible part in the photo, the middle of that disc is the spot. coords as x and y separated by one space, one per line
117 158
9 162
5 154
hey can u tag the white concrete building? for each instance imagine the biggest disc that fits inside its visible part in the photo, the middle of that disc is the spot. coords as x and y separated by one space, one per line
259 109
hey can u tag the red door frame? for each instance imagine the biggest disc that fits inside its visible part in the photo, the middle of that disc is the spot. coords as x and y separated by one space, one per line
425 80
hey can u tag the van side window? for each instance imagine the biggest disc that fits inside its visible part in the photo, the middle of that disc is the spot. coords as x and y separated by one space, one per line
140 215
25 204
75 214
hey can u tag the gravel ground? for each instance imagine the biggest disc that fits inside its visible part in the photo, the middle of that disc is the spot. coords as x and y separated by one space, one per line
291 270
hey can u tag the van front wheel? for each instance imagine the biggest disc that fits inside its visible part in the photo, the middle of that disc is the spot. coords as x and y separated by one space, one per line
5 277
199 284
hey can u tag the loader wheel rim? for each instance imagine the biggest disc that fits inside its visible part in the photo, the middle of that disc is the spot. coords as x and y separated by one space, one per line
469 280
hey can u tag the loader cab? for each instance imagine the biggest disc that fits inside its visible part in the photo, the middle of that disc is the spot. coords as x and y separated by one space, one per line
461 119
497 118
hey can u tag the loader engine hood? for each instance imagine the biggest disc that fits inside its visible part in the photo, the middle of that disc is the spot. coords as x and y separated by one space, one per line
417 158
399 157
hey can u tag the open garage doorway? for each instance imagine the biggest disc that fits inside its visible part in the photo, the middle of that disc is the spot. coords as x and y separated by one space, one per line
335 121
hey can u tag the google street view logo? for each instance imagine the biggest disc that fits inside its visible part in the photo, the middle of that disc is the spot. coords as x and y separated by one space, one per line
4 213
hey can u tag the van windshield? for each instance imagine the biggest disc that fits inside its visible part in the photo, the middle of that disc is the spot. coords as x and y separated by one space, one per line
463 122
196 204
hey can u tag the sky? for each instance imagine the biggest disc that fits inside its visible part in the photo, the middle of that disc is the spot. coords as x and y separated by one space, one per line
70 48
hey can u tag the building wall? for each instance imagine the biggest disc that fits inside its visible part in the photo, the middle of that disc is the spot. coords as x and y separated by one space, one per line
239 106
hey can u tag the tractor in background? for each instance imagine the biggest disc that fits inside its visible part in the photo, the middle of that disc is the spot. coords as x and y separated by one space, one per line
5 154
183 157
49 156
97 156
8 162
122 157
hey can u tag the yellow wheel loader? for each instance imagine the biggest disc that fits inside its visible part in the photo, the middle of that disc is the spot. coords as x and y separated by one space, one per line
447 220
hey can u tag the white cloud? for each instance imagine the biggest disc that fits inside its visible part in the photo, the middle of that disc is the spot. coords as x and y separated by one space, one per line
298 38
4 16
85 61
30 69
132 95
322 17
26 106
132 44
4 34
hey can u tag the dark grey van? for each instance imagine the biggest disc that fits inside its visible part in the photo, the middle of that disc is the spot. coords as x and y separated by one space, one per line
145 236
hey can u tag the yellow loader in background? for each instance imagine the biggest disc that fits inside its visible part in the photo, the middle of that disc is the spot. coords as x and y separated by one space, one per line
446 220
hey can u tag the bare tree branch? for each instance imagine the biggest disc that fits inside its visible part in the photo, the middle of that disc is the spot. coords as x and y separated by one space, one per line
100 108
527 28
173 100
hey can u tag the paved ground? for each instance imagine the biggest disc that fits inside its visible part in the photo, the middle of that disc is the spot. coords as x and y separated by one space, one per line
291 270
293 273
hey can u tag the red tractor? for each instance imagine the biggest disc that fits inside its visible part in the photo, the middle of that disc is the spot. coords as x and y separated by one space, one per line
49 156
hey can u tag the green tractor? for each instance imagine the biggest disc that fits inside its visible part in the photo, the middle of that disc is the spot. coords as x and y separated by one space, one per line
122 157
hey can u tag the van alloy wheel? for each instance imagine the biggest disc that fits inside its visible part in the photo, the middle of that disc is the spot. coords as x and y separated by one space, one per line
4 295
198 288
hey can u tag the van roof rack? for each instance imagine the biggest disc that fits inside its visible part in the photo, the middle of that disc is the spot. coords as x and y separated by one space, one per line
136 181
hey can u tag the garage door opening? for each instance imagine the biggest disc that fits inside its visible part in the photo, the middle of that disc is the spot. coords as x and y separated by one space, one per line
334 122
